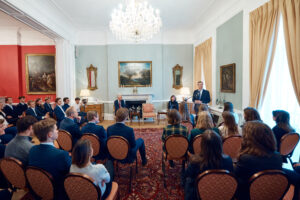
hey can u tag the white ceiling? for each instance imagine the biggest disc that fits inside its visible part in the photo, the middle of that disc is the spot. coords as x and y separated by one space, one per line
91 15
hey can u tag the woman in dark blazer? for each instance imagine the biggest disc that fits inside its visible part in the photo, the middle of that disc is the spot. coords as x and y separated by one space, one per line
39 107
211 157
173 104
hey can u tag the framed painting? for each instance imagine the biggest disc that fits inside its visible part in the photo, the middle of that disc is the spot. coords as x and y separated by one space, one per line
227 78
92 77
40 74
135 74
177 76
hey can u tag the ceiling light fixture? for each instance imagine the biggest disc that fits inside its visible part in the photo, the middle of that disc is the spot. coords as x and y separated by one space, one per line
137 22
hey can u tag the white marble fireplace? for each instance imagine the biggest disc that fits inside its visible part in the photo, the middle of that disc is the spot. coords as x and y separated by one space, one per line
138 97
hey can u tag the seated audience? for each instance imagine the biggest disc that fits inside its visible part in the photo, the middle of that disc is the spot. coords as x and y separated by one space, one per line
92 127
201 107
20 146
2 114
81 163
10 111
282 126
211 157
120 129
70 125
45 156
173 104
229 126
251 114
204 123
275 113
186 116
66 103
22 106
39 107
258 153
228 106
119 103
34 112
59 111
77 104
5 135
174 127
48 107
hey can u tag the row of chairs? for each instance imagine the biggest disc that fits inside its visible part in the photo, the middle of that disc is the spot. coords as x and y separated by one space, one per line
40 183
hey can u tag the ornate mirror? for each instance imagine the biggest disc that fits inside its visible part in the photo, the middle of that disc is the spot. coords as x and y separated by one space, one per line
92 77
177 77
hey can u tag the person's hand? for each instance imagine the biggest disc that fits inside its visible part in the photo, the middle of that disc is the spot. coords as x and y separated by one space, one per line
47 115
102 183
9 117
198 102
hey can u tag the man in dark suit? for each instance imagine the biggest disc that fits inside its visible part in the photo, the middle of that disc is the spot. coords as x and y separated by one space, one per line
45 156
119 103
10 111
120 129
66 103
69 124
59 111
22 106
48 107
98 130
200 96
34 112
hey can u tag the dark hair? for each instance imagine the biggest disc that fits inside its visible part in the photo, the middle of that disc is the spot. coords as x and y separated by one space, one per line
211 151
121 114
258 139
57 99
36 101
43 127
77 98
229 122
6 99
171 98
25 122
283 121
2 121
91 115
21 97
276 112
251 114
65 99
47 98
174 117
81 153
228 106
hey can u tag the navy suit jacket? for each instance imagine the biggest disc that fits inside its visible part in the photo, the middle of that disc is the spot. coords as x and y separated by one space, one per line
65 106
120 129
10 112
21 108
48 108
37 114
69 125
205 96
55 161
116 103
59 114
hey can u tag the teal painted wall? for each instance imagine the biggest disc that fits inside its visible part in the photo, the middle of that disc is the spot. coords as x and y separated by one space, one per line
230 50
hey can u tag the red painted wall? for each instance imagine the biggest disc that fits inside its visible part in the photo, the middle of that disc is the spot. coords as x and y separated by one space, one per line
13 70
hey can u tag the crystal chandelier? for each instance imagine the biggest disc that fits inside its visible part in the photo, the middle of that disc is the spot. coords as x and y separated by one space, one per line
137 22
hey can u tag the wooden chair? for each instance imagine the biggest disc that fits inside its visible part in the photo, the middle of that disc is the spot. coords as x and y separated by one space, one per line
118 147
148 111
232 146
64 140
41 182
81 186
216 185
13 170
94 139
268 185
176 147
288 143
197 144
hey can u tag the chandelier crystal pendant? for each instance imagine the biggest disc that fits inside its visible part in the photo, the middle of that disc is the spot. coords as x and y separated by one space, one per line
137 22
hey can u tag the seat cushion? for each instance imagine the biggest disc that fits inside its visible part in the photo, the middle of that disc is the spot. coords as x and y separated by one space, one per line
145 115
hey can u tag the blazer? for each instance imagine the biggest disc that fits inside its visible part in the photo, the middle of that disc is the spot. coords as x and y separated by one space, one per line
120 129
97 130
116 104
37 114
21 108
65 106
205 96
40 110
173 105
72 127
48 108
10 112
60 115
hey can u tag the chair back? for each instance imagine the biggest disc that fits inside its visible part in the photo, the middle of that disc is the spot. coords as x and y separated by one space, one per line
41 182
197 144
148 107
118 147
13 170
232 146
288 143
80 186
64 140
94 139
216 185
176 146
268 185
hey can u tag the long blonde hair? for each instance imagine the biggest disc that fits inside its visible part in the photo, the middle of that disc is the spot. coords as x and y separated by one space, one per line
204 121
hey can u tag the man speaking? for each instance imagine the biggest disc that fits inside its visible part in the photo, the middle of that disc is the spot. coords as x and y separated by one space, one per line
200 96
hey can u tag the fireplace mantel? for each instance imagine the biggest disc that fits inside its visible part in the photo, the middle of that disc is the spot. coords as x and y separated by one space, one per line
138 97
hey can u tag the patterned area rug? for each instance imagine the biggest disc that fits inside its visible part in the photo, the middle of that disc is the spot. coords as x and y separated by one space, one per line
148 183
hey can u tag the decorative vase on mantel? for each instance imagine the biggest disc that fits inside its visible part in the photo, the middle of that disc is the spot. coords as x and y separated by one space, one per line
134 90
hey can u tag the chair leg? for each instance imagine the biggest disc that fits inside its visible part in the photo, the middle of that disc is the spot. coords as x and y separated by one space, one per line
130 181
136 166
163 165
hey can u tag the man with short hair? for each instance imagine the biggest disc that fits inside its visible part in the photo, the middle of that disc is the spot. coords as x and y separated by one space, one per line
20 146
10 110
33 112
200 96
66 103
68 124
92 127
59 111
45 156
48 107
22 106
120 129
119 103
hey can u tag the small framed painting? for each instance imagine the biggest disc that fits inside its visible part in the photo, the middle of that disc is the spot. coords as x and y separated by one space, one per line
92 77
227 78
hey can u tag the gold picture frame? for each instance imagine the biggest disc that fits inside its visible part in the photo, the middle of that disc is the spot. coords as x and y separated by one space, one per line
227 78
91 73
135 73
177 76
40 73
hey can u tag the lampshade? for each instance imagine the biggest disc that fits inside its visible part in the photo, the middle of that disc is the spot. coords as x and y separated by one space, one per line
84 93
185 91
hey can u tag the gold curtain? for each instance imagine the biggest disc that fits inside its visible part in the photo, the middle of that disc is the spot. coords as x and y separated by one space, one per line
263 36
290 10
203 56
